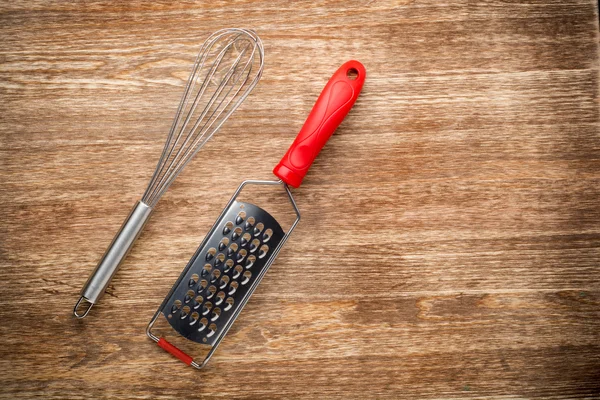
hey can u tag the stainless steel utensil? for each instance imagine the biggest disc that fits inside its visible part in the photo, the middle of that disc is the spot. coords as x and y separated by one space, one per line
226 70
244 241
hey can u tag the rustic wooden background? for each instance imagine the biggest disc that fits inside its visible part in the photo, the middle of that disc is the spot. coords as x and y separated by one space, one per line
450 241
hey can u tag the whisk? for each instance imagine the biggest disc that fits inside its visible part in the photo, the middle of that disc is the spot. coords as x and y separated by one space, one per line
228 67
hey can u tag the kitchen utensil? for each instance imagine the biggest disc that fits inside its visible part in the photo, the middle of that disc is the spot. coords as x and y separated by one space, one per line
242 244
228 67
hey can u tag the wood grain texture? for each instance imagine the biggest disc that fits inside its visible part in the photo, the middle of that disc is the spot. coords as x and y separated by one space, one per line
450 240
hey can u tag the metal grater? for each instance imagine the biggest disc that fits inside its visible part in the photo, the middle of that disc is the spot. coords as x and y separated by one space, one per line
223 272
245 240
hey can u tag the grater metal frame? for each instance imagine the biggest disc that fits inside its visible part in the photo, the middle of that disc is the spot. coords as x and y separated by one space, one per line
255 284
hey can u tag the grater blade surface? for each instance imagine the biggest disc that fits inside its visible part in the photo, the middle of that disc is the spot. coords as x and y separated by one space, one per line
220 274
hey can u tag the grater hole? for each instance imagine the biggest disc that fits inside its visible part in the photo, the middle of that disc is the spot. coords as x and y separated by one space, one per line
247 276
223 282
240 218
228 304
206 270
197 302
237 271
245 239
254 245
210 253
220 259
189 296
241 255
206 308
203 323
203 285
236 233
215 276
176 306
250 261
227 228
216 314
220 298
194 318
249 223
232 249
223 244
228 264
258 229
233 287
185 311
264 249
211 330
267 235
193 280
211 292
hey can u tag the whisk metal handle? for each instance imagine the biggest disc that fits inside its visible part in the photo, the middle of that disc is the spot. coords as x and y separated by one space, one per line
332 106
114 255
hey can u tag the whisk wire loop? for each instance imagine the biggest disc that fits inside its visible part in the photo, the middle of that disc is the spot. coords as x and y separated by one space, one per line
226 70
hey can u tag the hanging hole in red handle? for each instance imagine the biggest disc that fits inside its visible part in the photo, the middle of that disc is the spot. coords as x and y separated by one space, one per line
352 74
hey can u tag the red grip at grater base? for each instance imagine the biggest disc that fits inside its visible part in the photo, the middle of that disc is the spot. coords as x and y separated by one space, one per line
168 347
332 106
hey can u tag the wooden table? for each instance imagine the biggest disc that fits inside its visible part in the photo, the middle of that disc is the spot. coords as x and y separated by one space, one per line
450 240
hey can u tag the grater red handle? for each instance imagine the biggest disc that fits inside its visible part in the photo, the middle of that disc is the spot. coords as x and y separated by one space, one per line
162 342
332 106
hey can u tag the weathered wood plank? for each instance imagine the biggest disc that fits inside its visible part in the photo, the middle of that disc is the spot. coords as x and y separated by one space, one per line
450 239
